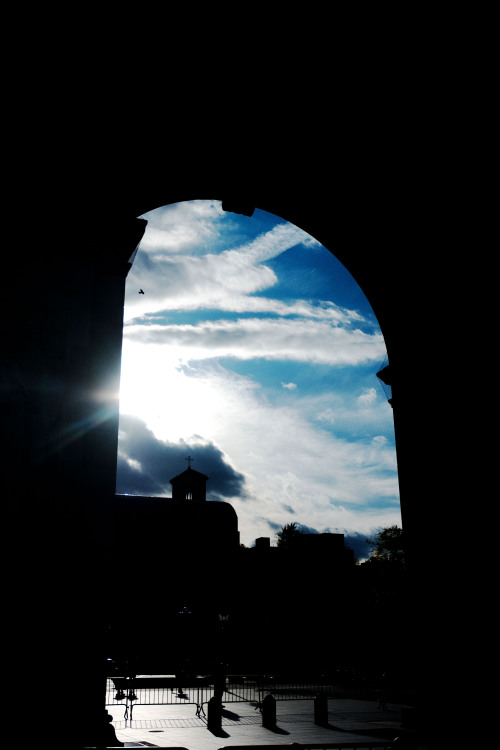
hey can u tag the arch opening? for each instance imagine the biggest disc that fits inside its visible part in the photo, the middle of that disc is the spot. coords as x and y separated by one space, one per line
248 344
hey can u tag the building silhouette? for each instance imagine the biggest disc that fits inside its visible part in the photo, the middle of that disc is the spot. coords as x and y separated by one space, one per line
180 553
287 606
190 485
183 553
184 524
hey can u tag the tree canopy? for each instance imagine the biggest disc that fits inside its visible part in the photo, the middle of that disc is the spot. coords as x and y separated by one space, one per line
388 545
287 535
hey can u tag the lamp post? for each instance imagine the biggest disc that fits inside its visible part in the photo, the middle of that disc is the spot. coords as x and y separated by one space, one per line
185 615
220 674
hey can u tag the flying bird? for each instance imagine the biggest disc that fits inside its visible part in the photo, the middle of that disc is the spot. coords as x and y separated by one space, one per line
140 291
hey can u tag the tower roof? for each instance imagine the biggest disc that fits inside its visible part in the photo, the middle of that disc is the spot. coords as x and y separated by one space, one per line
189 474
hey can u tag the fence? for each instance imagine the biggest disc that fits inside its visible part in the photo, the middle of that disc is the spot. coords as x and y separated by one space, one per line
167 690
359 745
156 691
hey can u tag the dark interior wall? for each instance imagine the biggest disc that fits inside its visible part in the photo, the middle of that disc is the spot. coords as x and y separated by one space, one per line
74 259
61 351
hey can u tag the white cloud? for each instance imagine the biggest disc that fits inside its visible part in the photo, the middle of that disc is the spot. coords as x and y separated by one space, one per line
181 226
289 386
286 461
270 244
276 339
223 280
328 415
368 397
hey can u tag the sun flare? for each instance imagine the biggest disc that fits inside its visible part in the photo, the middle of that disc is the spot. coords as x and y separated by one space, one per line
156 389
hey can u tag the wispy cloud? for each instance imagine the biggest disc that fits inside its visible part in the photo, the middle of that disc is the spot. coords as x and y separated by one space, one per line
369 396
223 280
270 338
182 227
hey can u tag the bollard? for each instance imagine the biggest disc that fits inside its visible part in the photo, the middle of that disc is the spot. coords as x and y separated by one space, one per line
321 710
269 712
214 717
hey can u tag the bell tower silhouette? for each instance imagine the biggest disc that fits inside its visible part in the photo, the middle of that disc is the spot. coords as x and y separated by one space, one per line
191 485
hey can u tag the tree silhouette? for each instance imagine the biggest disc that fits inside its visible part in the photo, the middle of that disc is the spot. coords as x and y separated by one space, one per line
383 591
287 535
388 545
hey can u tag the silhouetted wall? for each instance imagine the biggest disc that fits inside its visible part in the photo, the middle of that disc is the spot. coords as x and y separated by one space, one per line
61 353
61 334
292 608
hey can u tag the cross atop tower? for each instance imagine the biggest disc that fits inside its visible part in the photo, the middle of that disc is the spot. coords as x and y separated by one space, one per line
190 485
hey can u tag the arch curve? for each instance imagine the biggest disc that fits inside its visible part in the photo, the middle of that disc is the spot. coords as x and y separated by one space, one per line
343 223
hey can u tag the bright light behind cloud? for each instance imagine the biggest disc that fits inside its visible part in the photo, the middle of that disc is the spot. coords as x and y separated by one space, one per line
156 389
232 345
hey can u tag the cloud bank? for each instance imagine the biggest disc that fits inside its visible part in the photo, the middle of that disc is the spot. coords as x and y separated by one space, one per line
279 339
146 464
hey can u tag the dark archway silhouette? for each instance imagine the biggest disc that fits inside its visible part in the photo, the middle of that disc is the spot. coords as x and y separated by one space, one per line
378 231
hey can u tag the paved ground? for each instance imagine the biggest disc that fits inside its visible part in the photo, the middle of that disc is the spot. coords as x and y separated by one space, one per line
179 725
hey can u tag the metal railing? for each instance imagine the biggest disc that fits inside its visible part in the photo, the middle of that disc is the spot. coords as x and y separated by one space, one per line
156 691
359 744
168 690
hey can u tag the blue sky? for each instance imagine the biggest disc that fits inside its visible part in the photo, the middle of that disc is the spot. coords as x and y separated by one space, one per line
254 351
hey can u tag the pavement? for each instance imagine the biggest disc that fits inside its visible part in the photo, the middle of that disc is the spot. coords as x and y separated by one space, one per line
182 726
